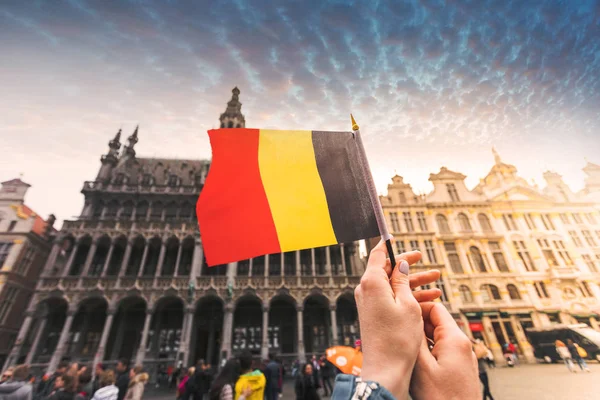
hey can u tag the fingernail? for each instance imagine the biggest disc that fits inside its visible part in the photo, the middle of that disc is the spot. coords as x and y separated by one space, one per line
403 267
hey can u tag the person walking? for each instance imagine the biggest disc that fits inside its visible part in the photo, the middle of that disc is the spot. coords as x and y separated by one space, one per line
305 387
483 377
326 375
199 385
316 371
18 387
122 382
273 377
224 383
85 387
249 379
107 390
137 380
182 387
575 351
565 354
47 385
65 386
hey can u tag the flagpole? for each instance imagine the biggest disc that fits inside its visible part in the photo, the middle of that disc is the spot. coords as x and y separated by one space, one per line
383 229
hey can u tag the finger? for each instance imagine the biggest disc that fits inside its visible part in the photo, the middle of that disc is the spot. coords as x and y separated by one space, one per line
399 282
412 257
423 278
427 295
375 278
378 256
425 360
449 339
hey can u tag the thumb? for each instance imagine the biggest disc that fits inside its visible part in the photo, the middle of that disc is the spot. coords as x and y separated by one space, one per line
399 281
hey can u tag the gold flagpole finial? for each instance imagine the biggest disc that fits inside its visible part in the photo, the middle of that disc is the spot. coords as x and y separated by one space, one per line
354 125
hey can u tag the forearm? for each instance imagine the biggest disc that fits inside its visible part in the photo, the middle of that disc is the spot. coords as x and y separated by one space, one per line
348 386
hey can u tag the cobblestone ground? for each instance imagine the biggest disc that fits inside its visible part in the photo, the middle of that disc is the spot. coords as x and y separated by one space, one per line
539 382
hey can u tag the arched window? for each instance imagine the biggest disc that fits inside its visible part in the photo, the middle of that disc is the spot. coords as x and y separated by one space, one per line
157 210
127 210
185 213
98 209
119 179
484 222
171 211
173 180
490 293
513 292
147 180
477 259
465 294
141 210
111 209
463 221
442 223
230 125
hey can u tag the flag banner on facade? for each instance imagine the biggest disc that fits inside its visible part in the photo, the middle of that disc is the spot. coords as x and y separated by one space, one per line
271 191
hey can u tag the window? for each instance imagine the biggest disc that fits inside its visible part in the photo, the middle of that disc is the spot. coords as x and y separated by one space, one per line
477 259
400 246
440 285
402 197
430 252
119 179
408 222
395 223
509 222
463 222
147 180
548 253
591 219
453 258
156 210
465 294
577 218
523 253
422 221
513 292
585 289
547 221
564 218
589 262
490 293
540 288
569 293
9 299
111 209
452 192
26 261
11 226
498 256
414 245
587 235
529 221
99 206
4 250
576 239
442 223
484 222
172 180
562 252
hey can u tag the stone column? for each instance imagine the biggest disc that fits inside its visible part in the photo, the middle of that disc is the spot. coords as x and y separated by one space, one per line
51 260
265 332
99 357
523 342
227 331
466 328
65 272
139 358
328 271
301 352
13 255
107 261
16 350
267 257
312 262
178 259
144 258
343 255
90 257
298 265
36 341
334 325
187 334
161 258
197 260
250 262
62 342
492 340
125 261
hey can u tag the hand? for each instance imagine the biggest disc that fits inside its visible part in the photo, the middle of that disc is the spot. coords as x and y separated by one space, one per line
449 370
390 321
247 392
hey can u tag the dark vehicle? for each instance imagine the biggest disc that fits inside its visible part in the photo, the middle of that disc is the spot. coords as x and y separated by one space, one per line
542 340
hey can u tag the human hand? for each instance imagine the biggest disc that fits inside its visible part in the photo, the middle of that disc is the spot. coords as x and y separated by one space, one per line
390 320
448 371
247 391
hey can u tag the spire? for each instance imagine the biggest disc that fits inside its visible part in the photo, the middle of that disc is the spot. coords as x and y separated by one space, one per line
133 139
496 156
354 124
110 159
233 117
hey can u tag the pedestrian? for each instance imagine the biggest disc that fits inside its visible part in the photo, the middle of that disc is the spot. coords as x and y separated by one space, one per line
565 354
481 365
223 386
249 379
85 386
199 385
273 377
7 375
64 387
107 389
305 387
316 371
326 375
18 386
47 385
98 374
182 387
122 380
489 358
137 380
576 351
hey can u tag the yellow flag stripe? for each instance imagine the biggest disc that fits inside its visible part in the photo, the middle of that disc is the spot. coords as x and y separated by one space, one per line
296 196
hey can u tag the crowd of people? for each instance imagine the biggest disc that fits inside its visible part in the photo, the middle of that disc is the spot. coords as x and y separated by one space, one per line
71 381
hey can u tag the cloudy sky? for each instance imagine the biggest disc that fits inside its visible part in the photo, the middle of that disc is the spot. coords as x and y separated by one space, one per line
431 82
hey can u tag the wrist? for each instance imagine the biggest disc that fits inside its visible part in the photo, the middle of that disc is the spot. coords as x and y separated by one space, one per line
395 380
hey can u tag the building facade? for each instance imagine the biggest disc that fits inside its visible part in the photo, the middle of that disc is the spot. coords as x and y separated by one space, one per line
512 255
25 241
128 278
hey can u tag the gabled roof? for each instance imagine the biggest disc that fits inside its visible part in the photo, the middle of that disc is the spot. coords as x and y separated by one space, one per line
16 182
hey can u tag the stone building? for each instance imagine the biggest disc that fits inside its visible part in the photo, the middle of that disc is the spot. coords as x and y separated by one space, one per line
512 255
128 278
24 246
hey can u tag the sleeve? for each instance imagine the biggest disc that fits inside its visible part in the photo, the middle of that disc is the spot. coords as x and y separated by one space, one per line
136 391
349 387
227 393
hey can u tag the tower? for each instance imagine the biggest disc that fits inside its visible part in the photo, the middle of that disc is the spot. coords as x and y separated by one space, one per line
128 151
110 159
233 117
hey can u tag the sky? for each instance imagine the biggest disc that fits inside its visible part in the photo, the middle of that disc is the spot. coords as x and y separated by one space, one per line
430 82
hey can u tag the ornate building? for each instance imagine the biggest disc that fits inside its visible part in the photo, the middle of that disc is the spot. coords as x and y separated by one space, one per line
128 278
25 240
512 255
